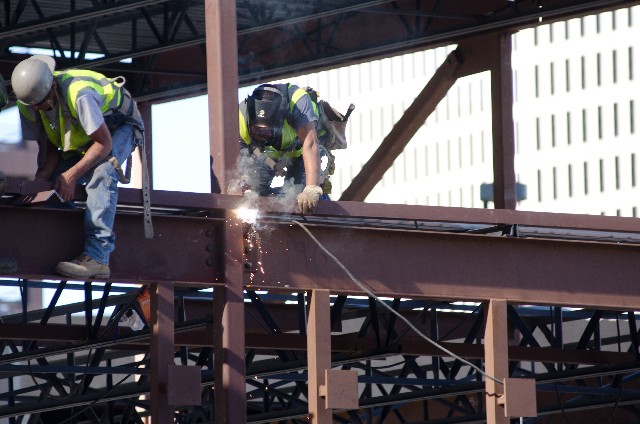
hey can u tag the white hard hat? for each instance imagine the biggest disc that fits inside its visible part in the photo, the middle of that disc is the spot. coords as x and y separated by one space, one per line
32 79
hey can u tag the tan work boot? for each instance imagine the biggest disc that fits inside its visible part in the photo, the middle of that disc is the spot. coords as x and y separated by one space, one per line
83 267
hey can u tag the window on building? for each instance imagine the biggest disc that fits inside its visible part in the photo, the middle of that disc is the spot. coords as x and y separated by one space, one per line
632 126
448 155
614 69
437 158
539 186
615 119
630 63
629 17
598 70
471 149
599 122
583 76
460 152
570 180
568 127
536 81
555 182
535 36
481 97
617 170
598 24
584 125
566 30
551 78
551 33
634 212
582 27
538 133
613 20
601 164
633 169
567 76
585 172
553 130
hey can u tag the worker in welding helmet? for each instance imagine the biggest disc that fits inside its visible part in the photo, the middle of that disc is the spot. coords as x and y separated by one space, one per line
85 125
278 137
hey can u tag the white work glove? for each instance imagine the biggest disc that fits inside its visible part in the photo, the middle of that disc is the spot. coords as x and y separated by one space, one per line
308 199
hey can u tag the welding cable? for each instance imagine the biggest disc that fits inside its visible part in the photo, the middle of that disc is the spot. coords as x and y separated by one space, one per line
405 320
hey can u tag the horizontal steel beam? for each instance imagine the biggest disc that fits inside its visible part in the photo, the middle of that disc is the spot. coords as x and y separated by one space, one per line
422 264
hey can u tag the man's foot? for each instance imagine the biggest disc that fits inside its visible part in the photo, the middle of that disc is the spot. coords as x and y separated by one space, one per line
8 265
83 267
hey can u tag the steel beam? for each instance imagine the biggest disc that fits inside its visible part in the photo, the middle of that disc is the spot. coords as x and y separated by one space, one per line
449 266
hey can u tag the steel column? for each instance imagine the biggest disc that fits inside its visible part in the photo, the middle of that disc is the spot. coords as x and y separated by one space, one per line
496 359
229 342
504 183
222 86
319 354
162 349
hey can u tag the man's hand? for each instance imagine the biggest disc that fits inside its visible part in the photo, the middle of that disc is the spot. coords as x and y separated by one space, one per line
65 185
308 199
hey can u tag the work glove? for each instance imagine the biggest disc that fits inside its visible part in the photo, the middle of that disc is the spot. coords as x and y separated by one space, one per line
308 199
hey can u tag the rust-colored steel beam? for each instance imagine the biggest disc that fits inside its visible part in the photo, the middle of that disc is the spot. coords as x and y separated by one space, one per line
504 184
454 266
222 86
183 249
404 130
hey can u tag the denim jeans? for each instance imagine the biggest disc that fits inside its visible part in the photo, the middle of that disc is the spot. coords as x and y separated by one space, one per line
101 185
262 176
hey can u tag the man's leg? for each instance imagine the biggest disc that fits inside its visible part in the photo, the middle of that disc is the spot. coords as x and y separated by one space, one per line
102 198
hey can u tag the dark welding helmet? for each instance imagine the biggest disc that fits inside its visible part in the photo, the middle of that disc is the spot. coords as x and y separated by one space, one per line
267 108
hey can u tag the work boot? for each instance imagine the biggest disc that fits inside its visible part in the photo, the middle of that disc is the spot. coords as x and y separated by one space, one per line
8 265
83 267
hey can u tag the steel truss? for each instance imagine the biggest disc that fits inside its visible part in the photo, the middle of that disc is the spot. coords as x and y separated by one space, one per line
275 39
80 363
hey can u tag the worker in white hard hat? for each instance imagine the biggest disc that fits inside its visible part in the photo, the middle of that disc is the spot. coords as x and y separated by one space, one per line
86 125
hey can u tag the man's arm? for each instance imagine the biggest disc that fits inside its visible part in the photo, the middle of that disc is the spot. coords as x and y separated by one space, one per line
310 152
307 201
66 183
48 158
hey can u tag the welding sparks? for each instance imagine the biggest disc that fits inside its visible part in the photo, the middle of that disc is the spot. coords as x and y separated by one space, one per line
247 215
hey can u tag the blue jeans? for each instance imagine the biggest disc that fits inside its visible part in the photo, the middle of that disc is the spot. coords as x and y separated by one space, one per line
262 176
101 185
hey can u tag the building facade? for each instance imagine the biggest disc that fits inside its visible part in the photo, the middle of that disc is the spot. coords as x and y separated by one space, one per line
576 96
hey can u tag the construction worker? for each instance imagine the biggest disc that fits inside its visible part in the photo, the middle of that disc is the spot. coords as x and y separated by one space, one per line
278 137
86 125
